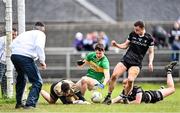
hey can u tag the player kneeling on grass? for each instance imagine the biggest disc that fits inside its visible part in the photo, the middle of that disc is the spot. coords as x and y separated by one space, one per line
138 96
98 72
66 91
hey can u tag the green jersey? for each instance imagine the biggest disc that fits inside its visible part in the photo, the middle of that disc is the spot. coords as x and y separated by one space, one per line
97 66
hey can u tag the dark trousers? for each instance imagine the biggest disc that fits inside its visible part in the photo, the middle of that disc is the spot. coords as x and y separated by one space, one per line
26 66
3 80
2 70
175 56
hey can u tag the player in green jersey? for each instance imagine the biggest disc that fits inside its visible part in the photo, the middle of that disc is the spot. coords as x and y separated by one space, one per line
98 73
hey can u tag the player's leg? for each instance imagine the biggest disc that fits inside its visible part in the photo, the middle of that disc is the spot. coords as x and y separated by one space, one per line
118 71
132 74
47 97
170 83
86 83
80 86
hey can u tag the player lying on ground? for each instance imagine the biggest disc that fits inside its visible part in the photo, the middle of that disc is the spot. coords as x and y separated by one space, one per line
66 91
138 96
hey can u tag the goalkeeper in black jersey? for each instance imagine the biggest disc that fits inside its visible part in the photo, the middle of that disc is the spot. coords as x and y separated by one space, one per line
138 95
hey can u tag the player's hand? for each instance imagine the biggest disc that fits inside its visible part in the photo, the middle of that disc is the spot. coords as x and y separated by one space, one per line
80 102
43 66
150 66
114 43
80 62
101 86
125 101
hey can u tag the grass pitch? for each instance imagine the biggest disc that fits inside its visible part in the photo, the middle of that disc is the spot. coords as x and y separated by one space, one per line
168 105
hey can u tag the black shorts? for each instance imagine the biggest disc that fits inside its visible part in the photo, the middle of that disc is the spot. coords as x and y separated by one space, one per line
52 93
128 65
154 96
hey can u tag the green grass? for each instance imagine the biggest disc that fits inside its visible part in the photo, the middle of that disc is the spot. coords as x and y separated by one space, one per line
169 104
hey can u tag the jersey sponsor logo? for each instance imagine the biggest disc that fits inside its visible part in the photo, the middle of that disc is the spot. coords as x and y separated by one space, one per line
139 43
140 39
134 38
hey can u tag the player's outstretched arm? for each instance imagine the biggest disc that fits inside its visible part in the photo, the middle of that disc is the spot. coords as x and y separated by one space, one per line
124 45
151 58
107 76
138 99
118 99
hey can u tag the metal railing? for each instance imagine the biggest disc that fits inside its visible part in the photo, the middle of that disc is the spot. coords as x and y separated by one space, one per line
68 65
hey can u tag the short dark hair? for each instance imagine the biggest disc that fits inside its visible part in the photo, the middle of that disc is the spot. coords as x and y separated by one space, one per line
14 29
39 26
99 47
140 24
65 87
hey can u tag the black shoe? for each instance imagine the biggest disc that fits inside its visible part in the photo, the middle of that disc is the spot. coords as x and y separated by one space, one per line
28 107
170 66
18 106
107 100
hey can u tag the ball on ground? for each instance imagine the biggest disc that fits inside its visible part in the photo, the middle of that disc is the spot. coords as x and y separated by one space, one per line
96 97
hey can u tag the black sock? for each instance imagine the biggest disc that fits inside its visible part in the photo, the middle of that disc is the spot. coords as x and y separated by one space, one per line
109 94
169 71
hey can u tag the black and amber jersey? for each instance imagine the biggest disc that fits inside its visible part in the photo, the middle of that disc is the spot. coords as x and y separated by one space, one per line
74 94
137 48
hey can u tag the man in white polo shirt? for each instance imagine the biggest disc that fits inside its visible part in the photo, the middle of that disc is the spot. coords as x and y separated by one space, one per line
26 48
